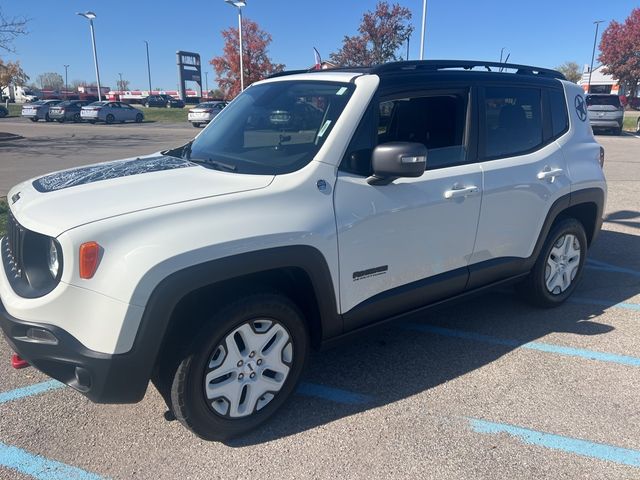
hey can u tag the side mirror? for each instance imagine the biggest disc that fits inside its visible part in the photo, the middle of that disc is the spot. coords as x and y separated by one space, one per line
394 160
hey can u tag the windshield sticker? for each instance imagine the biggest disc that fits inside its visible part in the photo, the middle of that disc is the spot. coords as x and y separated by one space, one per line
107 171
341 91
324 128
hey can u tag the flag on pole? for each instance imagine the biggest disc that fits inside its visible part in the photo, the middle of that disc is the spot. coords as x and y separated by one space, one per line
318 60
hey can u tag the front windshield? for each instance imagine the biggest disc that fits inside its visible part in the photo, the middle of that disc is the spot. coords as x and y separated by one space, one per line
39 102
272 128
97 104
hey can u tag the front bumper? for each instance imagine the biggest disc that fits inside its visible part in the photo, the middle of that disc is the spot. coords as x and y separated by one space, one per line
103 378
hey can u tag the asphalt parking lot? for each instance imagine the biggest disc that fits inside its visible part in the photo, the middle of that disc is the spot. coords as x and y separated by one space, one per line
485 389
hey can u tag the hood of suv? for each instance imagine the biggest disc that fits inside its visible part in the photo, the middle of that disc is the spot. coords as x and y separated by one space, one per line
62 200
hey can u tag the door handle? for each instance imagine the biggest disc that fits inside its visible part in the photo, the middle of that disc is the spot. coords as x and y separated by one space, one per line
550 173
461 192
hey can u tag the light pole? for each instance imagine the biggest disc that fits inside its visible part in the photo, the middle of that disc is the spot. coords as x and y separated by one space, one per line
593 53
148 66
239 4
120 85
90 16
424 25
66 83
206 82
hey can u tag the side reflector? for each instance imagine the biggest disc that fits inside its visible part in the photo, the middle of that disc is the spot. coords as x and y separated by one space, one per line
89 256
17 362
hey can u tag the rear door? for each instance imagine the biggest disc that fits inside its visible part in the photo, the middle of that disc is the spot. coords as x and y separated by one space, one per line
524 174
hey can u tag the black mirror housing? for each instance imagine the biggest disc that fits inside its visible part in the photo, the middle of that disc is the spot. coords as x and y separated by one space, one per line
394 160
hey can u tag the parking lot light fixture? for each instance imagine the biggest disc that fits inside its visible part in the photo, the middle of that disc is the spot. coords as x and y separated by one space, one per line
239 4
91 16
148 66
66 83
593 53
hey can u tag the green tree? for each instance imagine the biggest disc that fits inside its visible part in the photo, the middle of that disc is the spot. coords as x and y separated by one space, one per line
571 70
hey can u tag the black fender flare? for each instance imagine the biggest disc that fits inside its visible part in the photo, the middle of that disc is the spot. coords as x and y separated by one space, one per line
167 294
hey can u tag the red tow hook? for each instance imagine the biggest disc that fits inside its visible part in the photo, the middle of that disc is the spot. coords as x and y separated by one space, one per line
17 362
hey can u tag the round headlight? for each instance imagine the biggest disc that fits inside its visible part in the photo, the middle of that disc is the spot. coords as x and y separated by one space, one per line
52 259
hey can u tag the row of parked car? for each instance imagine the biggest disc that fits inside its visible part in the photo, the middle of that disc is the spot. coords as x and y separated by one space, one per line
81 110
108 112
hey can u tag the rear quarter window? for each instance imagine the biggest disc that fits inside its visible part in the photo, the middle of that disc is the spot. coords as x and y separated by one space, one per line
559 116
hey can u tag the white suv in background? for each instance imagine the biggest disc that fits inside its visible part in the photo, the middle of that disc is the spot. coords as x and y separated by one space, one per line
315 205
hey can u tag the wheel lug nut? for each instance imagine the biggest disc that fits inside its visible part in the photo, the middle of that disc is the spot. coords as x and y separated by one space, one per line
240 376
253 375
252 354
259 362
240 363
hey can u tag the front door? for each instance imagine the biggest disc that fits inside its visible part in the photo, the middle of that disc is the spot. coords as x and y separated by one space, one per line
408 243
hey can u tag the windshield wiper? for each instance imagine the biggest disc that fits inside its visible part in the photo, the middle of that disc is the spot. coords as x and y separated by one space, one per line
217 165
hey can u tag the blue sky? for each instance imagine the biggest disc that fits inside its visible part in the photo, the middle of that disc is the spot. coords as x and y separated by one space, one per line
540 32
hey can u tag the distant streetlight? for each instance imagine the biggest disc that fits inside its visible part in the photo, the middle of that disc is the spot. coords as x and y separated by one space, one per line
90 16
593 53
66 83
424 26
206 82
148 66
239 4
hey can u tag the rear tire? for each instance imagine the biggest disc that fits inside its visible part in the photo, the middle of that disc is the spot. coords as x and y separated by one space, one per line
60 120
638 126
559 266
196 125
618 131
139 118
223 387
77 118
34 119
47 118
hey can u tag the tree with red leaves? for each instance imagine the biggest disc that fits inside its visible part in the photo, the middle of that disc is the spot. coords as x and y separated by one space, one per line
620 51
256 62
382 33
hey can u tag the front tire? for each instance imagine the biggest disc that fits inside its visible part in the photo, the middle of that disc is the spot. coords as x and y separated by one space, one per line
139 118
559 266
244 364
110 119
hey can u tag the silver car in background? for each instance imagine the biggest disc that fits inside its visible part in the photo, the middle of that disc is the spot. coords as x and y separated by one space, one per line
605 112
38 110
111 112
204 112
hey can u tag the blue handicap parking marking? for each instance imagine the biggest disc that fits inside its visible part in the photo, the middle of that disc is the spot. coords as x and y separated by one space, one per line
608 267
585 448
41 468
539 346
29 391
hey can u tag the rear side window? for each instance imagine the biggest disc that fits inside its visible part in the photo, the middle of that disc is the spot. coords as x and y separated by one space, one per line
513 121
559 117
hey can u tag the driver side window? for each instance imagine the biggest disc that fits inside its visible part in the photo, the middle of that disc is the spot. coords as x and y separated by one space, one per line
437 119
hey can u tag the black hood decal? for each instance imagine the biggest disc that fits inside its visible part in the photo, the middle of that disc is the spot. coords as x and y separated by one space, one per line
107 171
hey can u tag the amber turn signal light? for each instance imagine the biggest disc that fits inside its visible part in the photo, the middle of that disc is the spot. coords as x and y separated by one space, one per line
89 256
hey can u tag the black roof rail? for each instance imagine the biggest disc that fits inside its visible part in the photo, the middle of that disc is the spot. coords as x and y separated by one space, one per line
464 64
435 65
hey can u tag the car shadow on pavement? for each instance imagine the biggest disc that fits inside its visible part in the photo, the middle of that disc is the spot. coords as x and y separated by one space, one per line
397 361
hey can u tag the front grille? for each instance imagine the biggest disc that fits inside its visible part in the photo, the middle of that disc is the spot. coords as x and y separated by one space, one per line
15 243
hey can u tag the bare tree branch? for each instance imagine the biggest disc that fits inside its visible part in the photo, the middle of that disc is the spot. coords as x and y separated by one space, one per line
10 29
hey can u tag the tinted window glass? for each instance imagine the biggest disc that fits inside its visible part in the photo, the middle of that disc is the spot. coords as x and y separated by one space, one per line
437 121
513 121
559 118
273 128
611 100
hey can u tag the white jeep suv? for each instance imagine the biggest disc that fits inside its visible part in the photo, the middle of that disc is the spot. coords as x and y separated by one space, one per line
314 205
